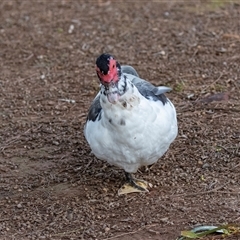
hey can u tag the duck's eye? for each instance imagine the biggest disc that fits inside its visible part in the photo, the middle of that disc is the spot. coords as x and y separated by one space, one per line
113 66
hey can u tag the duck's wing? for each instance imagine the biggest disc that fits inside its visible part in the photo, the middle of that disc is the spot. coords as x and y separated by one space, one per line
151 92
95 109
129 70
145 88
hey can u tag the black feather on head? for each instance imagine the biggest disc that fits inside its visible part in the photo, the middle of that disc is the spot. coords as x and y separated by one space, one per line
102 62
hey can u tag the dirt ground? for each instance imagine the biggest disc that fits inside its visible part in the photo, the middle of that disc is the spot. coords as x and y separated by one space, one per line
51 186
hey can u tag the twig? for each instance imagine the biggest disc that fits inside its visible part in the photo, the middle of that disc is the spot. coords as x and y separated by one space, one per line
213 82
225 110
236 154
236 219
66 233
224 149
4 219
234 36
87 166
120 235
201 193
235 167
228 192
124 234
132 232
14 139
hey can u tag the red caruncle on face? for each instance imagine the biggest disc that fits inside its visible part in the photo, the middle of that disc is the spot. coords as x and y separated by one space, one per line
112 75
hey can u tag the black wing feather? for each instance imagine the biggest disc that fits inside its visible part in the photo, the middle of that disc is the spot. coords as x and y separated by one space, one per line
145 88
149 91
95 110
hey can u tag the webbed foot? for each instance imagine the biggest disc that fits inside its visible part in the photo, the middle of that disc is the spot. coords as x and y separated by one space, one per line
133 185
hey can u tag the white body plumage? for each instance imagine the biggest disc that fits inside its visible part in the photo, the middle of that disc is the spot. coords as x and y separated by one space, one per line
133 132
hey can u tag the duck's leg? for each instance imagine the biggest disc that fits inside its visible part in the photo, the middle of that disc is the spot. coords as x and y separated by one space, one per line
133 185
149 167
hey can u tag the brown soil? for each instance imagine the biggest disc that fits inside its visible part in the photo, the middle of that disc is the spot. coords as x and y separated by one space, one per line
51 187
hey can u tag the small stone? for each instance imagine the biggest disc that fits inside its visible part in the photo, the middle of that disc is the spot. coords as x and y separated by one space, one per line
107 229
206 165
42 76
200 162
71 28
56 143
105 189
19 205
162 52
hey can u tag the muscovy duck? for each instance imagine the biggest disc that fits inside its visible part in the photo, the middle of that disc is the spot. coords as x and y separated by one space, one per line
131 123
